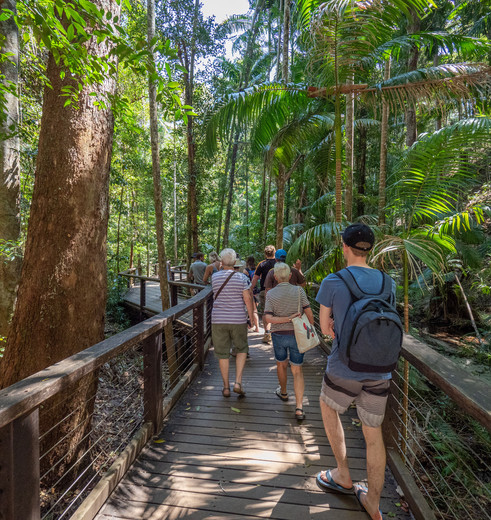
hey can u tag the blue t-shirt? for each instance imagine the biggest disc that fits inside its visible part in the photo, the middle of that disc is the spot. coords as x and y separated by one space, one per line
333 293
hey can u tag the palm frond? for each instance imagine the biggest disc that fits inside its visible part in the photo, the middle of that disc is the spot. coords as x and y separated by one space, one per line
322 236
438 167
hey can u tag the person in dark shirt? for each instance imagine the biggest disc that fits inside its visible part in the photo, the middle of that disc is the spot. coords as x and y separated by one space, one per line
262 270
297 278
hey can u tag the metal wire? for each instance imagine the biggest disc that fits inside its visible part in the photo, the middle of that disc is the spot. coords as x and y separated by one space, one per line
450 491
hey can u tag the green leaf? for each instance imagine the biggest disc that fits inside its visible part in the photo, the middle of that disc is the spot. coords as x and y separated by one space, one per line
236 410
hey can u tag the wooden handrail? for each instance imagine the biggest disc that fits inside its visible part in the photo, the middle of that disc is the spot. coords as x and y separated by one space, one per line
24 396
468 391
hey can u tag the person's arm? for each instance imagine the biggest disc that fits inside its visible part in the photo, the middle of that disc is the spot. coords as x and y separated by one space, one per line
269 318
247 295
190 275
255 278
208 271
325 321
310 315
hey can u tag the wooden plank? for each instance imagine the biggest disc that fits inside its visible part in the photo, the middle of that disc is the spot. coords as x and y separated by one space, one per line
22 397
469 392
259 463
98 496
279 506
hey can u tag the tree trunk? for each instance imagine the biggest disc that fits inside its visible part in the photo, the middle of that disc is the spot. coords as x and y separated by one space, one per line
174 185
278 50
286 34
280 204
339 144
266 215
9 170
247 201
62 291
411 126
362 169
157 194
384 126
192 182
230 198
350 137
262 204
118 233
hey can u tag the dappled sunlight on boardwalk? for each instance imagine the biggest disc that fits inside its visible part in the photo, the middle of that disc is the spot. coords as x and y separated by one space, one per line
243 457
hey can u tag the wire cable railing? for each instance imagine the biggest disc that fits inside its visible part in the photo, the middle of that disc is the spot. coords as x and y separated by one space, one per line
438 433
65 431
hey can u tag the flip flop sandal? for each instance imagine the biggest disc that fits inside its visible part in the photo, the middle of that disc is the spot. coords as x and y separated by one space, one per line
283 397
360 490
299 416
239 390
329 484
226 392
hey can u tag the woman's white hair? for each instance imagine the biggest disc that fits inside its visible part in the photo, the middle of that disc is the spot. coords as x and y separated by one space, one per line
282 271
228 257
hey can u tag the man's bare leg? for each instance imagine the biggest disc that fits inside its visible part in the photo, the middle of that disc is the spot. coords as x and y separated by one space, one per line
335 434
376 461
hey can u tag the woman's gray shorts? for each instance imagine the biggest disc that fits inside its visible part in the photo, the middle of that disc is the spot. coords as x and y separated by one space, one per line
370 397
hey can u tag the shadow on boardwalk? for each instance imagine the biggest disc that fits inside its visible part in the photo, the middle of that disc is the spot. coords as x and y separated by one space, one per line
244 457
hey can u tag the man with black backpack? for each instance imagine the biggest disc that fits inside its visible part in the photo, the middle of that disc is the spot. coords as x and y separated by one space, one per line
357 310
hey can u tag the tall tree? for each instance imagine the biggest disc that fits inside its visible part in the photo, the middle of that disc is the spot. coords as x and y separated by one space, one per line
383 151
157 193
286 41
58 313
9 164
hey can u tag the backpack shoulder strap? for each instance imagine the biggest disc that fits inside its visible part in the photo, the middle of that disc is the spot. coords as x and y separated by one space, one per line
357 294
349 280
386 292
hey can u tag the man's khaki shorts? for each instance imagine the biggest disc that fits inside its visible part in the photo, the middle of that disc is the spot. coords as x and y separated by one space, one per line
370 397
225 336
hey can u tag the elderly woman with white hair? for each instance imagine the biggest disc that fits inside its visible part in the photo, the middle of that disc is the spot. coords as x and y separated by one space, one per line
231 307
282 305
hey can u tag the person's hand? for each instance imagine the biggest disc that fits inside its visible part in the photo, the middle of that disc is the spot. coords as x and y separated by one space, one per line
296 315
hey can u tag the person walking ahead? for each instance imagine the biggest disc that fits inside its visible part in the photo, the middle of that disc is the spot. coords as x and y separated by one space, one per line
282 304
262 270
232 303
342 386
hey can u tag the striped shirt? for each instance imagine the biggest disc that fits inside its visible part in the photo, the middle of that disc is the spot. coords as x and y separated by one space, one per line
229 307
283 301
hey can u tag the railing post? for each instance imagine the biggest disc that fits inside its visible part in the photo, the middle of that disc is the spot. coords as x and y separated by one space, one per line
152 381
199 331
19 469
390 426
143 297
174 300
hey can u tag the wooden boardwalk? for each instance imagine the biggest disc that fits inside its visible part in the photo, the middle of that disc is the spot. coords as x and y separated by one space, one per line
243 458
153 300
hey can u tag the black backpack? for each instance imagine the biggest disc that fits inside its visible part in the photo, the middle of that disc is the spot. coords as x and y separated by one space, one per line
370 338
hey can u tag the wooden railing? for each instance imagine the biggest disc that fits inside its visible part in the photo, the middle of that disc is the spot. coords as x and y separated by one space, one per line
410 439
21 482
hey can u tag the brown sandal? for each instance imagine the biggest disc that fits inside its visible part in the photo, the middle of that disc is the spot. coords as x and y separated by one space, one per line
226 391
239 390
